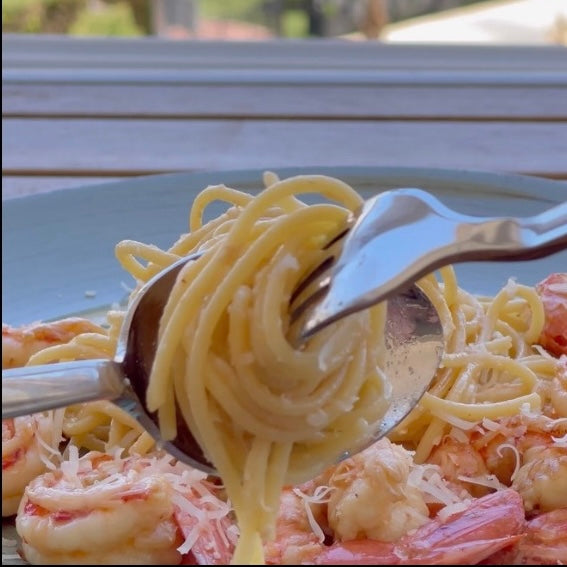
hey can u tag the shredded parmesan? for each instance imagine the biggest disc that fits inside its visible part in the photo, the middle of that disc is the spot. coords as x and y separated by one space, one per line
319 496
559 287
458 435
560 441
427 479
445 513
516 454
463 424
491 425
70 467
489 480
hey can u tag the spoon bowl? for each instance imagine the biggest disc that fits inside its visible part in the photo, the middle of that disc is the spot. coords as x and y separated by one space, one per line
413 338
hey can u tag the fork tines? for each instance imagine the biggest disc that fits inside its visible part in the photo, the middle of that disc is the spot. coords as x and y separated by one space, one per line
315 285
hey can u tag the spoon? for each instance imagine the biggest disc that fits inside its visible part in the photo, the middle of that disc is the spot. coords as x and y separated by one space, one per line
414 343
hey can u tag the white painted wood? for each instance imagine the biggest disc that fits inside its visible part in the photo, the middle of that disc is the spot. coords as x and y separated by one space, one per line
136 147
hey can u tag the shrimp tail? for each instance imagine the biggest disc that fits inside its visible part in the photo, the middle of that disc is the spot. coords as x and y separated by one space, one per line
488 525
546 540
545 543
359 552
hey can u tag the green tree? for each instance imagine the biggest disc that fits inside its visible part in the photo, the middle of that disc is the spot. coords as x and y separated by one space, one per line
39 16
106 20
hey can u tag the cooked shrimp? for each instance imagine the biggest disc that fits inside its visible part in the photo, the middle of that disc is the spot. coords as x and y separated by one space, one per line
379 493
542 478
545 543
101 509
26 440
558 389
526 452
20 343
299 528
553 293
379 497
25 453
546 540
377 475
467 536
553 390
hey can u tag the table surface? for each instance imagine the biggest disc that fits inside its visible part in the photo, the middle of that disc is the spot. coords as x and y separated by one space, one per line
79 111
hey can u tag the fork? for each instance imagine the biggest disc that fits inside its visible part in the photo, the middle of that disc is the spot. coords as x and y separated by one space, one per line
403 234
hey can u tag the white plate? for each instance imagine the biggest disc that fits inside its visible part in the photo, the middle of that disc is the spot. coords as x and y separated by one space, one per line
58 248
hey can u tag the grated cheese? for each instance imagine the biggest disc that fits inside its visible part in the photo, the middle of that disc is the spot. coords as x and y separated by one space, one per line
458 435
451 509
70 467
559 287
489 480
463 424
428 479
516 454
560 441
491 425
319 496
318 418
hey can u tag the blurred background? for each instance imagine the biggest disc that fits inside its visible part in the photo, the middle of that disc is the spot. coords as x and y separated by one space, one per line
523 22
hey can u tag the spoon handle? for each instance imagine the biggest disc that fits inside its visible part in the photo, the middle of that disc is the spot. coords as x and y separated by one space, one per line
38 388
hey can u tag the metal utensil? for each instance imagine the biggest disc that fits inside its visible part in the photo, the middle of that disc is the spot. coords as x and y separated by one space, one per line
403 234
122 380
414 343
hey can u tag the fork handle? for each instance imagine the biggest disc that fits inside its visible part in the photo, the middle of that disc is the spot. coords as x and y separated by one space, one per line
510 238
404 234
33 389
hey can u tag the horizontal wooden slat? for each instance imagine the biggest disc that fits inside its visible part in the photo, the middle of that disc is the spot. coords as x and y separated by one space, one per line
23 186
130 147
263 101
322 62
252 76
61 51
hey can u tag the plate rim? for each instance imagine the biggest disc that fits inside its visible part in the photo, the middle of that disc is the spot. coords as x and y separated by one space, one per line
504 180
17 307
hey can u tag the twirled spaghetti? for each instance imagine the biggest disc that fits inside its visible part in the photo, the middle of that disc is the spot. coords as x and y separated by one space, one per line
265 412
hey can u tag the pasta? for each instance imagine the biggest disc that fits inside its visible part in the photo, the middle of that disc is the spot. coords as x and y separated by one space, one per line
97 426
491 367
268 413
265 413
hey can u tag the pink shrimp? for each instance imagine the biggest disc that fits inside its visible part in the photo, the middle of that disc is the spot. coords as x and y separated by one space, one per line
553 293
25 443
546 540
20 343
100 509
376 508
526 453
26 439
213 545
468 536
545 543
